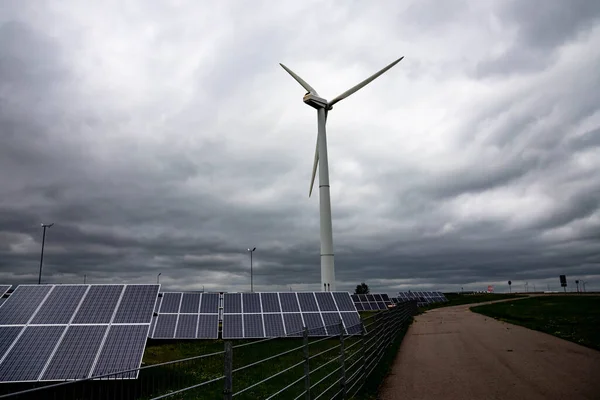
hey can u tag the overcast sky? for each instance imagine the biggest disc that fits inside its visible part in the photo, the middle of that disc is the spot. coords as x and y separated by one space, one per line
164 137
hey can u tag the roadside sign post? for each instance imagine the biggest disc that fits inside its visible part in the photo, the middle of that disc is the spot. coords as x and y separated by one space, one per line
563 282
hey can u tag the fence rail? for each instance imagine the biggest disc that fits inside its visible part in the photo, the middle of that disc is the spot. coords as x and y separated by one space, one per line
297 367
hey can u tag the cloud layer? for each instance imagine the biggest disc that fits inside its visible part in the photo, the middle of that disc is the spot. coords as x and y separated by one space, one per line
166 138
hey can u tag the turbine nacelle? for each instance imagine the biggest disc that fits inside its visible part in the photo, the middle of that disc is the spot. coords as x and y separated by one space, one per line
315 101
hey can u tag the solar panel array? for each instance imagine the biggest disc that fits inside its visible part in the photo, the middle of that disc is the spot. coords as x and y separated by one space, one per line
67 332
371 302
423 298
279 314
189 315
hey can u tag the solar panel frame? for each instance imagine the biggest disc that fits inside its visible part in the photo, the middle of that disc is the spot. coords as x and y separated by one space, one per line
270 302
4 289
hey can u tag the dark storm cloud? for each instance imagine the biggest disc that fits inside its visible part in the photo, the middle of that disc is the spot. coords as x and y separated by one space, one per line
161 146
541 27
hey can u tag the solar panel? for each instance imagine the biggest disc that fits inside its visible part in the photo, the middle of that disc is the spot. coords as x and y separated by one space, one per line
325 301
351 322
187 324
26 359
60 305
274 325
196 316
232 303
253 326
270 302
289 302
76 353
314 323
22 304
208 326
332 322
209 303
307 302
136 304
99 304
71 328
251 303
233 327
190 303
170 302
293 324
371 302
165 326
423 297
122 351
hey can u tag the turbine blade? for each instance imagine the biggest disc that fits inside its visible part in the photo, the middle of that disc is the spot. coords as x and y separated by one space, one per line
299 80
363 83
314 170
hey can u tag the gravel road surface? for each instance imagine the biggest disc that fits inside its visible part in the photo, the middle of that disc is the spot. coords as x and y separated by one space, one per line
453 353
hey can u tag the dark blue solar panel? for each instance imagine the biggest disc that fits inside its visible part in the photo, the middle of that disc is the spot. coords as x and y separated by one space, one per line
208 326
314 323
332 322
363 297
289 302
190 303
22 303
359 306
170 303
232 303
367 306
273 325
385 297
352 322
382 305
251 302
7 336
325 301
76 353
99 304
209 303
60 305
4 289
344 301
123 350
270 302
165 326
137 304
2 300
253 326
307 302
293 324
186 326
370 297
232 326
27 358
378 297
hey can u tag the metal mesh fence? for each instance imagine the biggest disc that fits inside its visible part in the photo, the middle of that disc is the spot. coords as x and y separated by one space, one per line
296 367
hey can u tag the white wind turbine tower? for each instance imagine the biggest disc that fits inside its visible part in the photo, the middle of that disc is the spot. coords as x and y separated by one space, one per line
323 107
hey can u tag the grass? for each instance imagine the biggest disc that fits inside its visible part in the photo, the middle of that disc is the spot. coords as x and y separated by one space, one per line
455 299
574 318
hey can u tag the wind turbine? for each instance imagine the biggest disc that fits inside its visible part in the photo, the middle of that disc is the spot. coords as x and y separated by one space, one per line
323 107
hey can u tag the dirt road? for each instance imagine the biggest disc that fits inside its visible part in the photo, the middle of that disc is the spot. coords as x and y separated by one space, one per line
453 353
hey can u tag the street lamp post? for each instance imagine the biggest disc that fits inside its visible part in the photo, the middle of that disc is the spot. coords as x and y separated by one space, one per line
251 276
42 256
158 278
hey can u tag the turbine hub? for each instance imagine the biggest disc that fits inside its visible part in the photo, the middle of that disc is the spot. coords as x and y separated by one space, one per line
315 101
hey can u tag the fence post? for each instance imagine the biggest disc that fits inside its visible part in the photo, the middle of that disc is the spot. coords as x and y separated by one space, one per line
363 347
306 365
342 360
228 372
